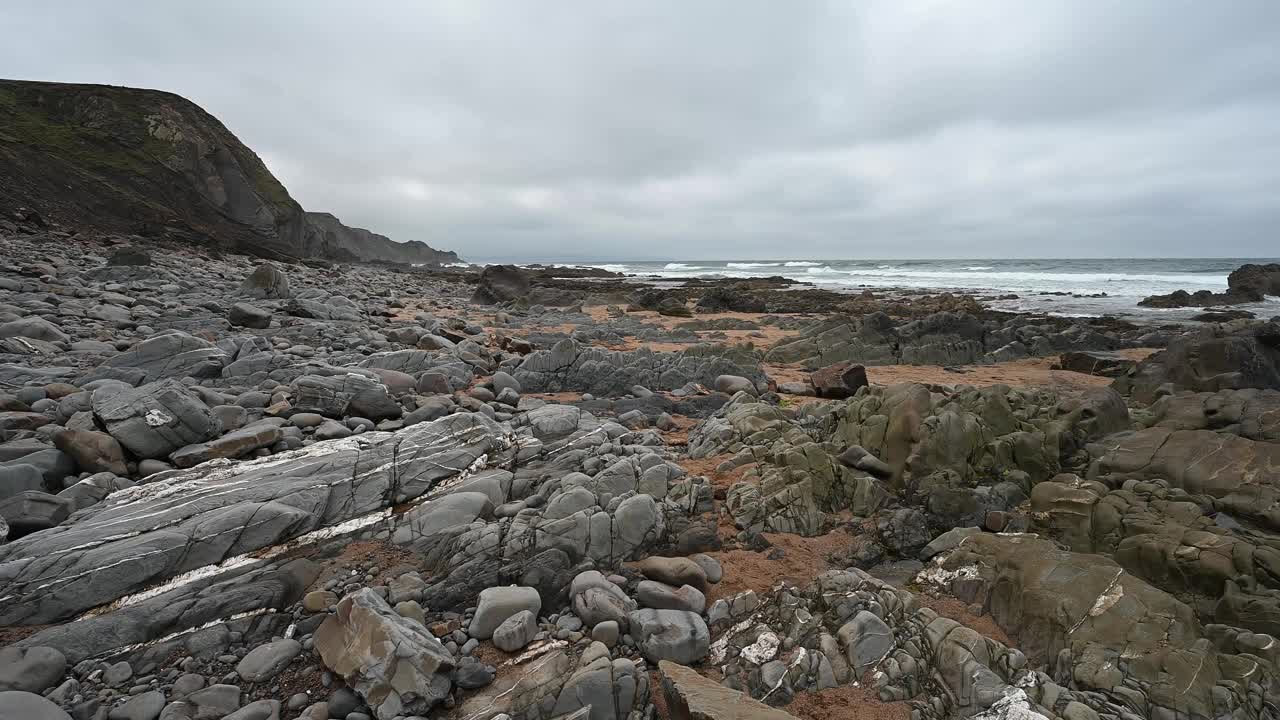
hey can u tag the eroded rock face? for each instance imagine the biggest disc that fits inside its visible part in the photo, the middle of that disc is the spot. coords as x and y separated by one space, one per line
960 454
1232 356
1239 474
1109 632
396 665
1250 413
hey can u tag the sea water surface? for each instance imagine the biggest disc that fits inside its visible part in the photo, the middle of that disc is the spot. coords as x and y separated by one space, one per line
1060 287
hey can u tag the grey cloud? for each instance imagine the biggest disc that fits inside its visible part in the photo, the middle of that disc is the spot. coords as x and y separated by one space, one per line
729 129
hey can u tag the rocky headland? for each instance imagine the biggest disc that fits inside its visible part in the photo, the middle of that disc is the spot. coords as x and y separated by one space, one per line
314 487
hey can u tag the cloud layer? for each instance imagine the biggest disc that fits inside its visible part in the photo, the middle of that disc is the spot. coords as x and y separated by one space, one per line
734 129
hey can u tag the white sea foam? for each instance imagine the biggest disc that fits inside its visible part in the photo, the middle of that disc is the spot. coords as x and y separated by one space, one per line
801 263
749 265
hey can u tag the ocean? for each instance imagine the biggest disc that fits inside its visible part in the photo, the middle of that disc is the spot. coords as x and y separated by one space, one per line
1092 287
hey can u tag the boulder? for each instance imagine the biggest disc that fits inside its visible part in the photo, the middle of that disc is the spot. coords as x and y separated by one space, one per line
733 384
92 451
266 661
674 571
232 445
33 328
340 396
675 635
17 705
838 381
266 282
866 641
250 316
395 664
32 511
499 603
1096 362
32 670
661 596
155 419
516 631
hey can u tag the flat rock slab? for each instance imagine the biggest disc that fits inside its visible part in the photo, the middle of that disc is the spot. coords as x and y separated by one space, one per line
188 520
691 696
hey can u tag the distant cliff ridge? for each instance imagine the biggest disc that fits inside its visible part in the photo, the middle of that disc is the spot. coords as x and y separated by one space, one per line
331 239
154 164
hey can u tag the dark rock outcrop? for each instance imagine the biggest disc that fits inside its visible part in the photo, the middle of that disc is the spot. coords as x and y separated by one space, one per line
1236 355
501 283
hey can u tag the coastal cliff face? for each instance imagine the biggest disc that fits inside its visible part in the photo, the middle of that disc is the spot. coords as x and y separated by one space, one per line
154 164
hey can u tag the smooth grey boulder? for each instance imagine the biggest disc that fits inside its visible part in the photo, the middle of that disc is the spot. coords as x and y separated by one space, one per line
34 328
516 631
675 635
17 705
190 519
266 661
232 445
734 384
155 419
18 478
340 396
33 669
146 706
661 596
258 710
499 603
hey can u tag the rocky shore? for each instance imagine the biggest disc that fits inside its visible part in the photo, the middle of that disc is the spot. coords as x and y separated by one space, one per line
232 489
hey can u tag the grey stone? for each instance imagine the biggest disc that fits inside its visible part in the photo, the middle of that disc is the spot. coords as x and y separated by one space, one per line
155 419
674 635
18 705
516 631
866 640
250 316
658 595
596 600
266 661
499 603
146 706
32 670
395 664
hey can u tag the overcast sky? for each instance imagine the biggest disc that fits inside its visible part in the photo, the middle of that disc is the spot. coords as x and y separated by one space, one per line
593 129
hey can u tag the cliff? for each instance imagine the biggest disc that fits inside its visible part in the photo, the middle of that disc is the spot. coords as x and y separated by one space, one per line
331 239
151 163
